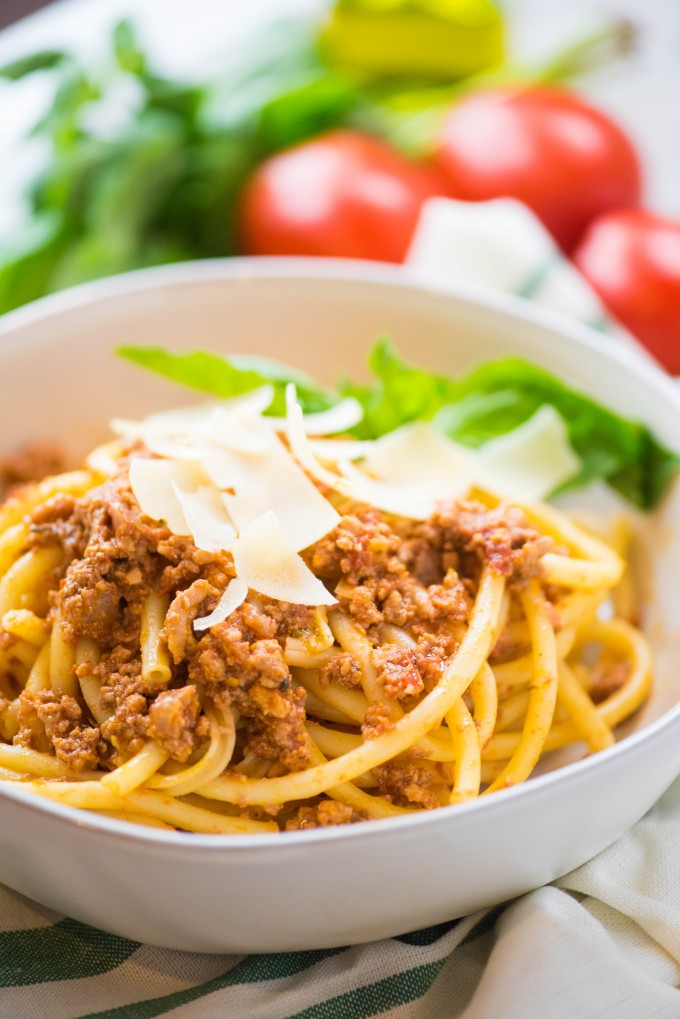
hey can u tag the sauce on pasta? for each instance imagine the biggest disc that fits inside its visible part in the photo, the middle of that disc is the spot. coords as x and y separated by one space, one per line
153 675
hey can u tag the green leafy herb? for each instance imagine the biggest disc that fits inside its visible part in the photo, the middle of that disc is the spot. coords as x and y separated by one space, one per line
232 376
491 400
28 262
44 60
129 55
399 393
502 394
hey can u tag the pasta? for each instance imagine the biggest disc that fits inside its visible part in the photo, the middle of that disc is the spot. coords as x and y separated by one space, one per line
152 670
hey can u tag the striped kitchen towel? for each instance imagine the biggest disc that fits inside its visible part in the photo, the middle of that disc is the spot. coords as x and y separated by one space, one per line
603 942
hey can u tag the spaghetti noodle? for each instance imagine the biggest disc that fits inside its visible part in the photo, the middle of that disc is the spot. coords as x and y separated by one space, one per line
149 673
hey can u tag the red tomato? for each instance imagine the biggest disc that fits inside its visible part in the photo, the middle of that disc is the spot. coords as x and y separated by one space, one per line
567 161
343 194
632 258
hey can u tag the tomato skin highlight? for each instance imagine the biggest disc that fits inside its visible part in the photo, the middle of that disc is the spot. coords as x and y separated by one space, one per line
343 194
632 259
545 146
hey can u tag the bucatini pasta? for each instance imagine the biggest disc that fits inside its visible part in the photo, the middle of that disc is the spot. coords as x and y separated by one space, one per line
223 625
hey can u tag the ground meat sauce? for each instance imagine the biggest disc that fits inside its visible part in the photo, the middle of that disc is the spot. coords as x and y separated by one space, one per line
322 814
419 577
344 669
398 668
408 784
173 718
48 719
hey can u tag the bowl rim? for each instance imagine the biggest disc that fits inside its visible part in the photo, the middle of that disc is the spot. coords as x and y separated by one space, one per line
300 269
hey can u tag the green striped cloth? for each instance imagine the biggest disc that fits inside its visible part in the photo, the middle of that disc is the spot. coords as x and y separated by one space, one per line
603 942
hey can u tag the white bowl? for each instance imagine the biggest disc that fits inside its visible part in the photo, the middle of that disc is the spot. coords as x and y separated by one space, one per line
351 884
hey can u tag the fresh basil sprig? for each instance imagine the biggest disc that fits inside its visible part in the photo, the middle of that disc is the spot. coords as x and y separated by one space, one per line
489 401
502 394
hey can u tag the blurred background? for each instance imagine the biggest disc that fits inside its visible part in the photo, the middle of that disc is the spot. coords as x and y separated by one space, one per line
136 133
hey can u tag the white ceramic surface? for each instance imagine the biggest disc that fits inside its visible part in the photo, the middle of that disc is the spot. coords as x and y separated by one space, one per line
345 885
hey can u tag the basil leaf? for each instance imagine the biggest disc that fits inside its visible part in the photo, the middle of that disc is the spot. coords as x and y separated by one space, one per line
319 104
399 394
129 55
43 60
232 376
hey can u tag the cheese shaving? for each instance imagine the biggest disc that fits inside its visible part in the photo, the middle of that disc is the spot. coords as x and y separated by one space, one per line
171 434
340 418
424 467
299 443
152 485
418 454
531 461
271 481
182 433
206 517
180 421
233 596
162 444
265 560
240 431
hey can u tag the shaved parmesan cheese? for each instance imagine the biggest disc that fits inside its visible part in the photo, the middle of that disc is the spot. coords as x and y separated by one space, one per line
254 402
406 500
345 414
403 501
264 558
418 454
300 445
531 461
180 421
181 432
233 596
206 517
238 424
272 481
239 431
413 468
162 444
152 484
174 434
422 466
188 420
